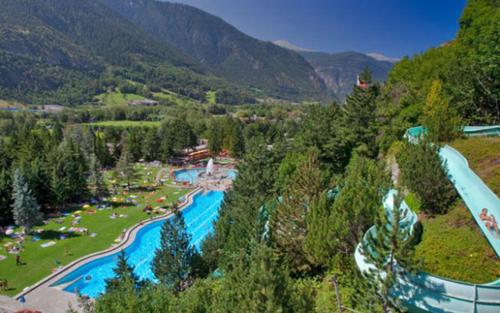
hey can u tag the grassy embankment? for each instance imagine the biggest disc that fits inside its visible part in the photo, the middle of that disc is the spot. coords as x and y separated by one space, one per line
452 244
39 262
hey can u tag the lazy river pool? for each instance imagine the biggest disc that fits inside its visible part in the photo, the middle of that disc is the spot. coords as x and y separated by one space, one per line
90 279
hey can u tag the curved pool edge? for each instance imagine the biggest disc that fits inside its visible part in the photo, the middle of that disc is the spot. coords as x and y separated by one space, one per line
129 237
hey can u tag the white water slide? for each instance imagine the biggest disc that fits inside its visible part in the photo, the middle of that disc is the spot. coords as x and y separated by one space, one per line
427 293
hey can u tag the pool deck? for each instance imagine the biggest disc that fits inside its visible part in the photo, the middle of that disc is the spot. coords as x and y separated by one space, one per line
41 296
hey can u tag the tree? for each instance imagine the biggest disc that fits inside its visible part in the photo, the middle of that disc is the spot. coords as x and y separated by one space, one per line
441 121
289 222
172 261
389 247
424 173
95 180
318 229
125 167
259 283
123 275
151 145
360 116
214 136
361 191
25 208
5 197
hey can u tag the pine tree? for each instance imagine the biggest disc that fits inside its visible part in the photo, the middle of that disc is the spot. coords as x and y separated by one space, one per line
123 275
318 229
95 180
151 145
360 116
289 223
424 173
215 137
125 167
5 197
441 121
361 191
172 261
25 208
389 247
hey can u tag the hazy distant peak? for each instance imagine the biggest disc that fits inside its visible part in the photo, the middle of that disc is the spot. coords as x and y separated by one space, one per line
381 57
287 45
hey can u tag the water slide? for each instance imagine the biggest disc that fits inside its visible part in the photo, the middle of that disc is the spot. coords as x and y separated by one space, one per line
424 292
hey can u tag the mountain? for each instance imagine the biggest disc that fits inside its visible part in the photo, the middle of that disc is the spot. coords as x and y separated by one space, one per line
261 66
67 51
290 46
339 70
381 57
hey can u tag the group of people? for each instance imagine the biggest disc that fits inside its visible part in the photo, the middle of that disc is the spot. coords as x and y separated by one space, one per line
489 221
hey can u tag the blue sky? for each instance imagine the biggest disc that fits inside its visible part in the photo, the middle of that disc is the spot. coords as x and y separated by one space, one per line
392 27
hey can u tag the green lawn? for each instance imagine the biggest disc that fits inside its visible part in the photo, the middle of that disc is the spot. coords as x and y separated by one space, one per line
174 98
41 261
126 124
452 245
483 154
117 98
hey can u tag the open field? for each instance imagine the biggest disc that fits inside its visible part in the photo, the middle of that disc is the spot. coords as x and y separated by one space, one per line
452 245
40 262
117 98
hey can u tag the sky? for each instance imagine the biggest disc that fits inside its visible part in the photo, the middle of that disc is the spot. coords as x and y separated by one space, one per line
394 28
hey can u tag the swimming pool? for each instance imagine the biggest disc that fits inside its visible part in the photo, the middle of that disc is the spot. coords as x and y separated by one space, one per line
188 175
191 175
199 217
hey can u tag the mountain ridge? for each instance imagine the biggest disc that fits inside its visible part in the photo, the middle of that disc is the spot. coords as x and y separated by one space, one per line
256 64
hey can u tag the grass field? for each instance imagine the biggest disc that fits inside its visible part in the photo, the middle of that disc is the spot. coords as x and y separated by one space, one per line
173 98
39 262
126 124
117 98
452 245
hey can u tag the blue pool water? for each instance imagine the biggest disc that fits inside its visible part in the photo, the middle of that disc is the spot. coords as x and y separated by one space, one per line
191 175
188 175
90 279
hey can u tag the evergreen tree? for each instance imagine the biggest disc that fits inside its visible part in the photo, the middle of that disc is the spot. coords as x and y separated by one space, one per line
151 145
95 180
25 208
318 229
322 131
125 168
424 173
289 223
172 261
389 247
257 284
123 275
441 121
360 116
5 197
68 180
238 225
361 191
215 137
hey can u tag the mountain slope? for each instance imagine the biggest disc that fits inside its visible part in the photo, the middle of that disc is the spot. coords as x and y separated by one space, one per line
227 51
339 70
67 51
